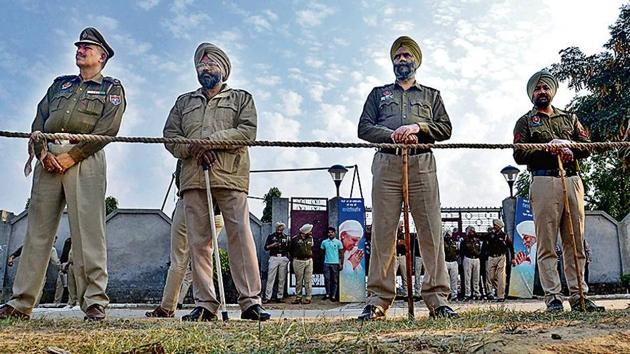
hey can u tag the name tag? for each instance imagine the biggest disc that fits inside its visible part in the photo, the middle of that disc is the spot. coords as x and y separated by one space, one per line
99 93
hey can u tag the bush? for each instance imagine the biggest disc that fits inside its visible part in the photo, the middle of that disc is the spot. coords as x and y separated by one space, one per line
625 280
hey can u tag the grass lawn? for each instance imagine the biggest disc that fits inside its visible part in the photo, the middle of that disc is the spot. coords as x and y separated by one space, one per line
475 331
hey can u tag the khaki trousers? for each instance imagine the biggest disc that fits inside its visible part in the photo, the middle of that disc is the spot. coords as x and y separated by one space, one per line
418 276
240 246
186 283
303 277
277 266
472 268
62 282
453 274
72 286
425 209
179 276
401 267
82 189
550 217
496 275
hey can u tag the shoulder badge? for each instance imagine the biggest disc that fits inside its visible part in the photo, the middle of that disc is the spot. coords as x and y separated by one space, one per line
115 99
66 85
387 95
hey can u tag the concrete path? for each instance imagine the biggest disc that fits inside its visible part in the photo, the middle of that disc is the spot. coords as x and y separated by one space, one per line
325 309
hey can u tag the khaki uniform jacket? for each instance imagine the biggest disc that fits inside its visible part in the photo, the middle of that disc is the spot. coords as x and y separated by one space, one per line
537 127
230 115
74 106
389 107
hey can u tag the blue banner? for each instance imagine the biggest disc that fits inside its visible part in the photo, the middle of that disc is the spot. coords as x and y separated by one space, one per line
524 260
351 228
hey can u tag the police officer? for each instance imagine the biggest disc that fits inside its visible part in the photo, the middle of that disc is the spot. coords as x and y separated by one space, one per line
217 112
71 173
471 251
175 288
498 245
301 250
405 112
451 255
545 123
277 244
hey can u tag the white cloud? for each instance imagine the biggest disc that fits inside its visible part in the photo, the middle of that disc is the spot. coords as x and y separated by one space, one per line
291 103
316 90
314 62
268 80
185 21
103 22
260 23
148 4
314 14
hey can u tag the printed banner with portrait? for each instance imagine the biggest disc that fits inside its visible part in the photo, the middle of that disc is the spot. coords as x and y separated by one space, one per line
524 260
351 228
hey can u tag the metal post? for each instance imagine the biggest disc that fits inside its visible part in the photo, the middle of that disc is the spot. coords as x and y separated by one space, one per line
405 181
215 244
168 191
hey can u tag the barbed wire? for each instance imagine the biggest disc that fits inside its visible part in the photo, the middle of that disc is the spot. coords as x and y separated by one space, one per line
40 136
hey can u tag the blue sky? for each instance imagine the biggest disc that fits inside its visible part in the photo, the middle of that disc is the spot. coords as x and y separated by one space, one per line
309 65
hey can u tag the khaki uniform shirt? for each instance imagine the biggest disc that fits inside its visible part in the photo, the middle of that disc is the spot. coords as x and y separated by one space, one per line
537 127
230 115
72 105
389 107
302 248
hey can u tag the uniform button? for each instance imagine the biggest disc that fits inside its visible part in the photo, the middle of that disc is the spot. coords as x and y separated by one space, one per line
68 112
63 129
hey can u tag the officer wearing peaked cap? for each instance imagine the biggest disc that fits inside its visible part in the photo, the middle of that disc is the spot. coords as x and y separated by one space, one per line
72 174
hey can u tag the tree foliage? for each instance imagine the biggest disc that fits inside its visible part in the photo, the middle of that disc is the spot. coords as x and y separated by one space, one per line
273 192
602 82
111 204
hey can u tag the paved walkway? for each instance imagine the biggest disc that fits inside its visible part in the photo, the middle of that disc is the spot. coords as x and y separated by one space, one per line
328 310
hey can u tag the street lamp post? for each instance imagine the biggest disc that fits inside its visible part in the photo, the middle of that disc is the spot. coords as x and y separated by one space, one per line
337 172
510 172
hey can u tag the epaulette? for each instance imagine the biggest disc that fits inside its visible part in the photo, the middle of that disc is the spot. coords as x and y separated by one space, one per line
385 86
65 77
112 80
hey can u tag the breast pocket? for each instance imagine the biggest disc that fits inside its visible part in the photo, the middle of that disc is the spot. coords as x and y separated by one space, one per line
540 134
59 101
388 108
225 116
92 105
421 112
192 116
227 161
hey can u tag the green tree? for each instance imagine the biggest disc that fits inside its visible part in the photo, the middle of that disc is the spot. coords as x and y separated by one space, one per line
111 204
522 185
273 192
602 82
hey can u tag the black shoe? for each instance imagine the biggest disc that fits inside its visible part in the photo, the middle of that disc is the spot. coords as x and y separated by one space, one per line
325 297
501 299
180 306
371 313
444 312
555 306
199 314
589 306
490 297
255 313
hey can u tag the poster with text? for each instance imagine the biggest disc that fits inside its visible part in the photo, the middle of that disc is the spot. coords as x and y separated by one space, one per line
351 229
524 260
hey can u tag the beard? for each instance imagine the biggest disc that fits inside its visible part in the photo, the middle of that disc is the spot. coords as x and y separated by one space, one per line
405 71
542 101
209 80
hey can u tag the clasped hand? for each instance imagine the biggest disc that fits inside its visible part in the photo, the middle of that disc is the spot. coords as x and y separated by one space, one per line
406 134
566 154
202 153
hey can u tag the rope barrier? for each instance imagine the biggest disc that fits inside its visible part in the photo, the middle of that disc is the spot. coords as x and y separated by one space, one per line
39 136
